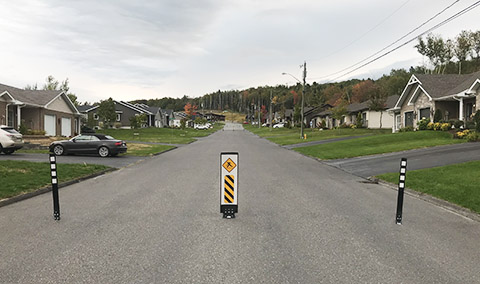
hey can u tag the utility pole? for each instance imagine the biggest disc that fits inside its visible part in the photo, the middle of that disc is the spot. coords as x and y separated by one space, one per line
271 121
303 96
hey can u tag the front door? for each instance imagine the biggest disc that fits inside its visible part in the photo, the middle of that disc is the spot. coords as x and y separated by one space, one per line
409 119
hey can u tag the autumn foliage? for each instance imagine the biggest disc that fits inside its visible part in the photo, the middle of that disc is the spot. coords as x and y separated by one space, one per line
190 109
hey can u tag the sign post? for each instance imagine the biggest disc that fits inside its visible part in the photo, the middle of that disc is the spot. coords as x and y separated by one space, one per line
53 174
229 184
401 188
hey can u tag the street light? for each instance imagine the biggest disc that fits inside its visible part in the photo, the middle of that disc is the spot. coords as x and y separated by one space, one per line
303 94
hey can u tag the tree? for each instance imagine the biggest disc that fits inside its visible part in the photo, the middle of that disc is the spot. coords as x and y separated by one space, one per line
190 109
339 111
362 90
376 100
438 51
106 112
475 38
53 84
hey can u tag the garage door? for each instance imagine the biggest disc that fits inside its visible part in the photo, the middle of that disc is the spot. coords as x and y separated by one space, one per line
66 126
50 125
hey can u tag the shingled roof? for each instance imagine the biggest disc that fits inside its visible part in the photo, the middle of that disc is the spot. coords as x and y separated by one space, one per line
32 97
438 86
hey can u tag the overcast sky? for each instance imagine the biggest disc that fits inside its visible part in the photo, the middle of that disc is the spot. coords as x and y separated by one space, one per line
169 48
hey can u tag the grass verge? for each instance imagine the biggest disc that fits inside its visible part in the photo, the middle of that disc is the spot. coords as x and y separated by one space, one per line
379 144
160 135
138 149
455 183
19 177
288 136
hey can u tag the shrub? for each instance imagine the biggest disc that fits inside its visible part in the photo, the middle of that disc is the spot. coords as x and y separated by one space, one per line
86 129
359 122
117 125
476 119
438 116
445 126
23 128
406 129
437 126
473 137
458 123
353 126
430 125
461 134
470 125
423 124
344 125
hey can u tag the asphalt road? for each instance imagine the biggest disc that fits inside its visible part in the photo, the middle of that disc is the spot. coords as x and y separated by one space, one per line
299 221
417 159
116 162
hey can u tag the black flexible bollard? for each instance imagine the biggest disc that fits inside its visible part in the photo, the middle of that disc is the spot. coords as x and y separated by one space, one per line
401 188
53 173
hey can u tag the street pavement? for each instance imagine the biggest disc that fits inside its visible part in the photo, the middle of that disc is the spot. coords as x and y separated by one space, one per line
299 221
417 159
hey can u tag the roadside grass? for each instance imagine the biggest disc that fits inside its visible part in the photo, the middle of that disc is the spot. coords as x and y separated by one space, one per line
379 144
138 149
457 184
161 135
286 136
20 177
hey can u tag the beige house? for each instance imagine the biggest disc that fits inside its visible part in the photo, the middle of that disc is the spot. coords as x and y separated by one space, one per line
51 111
456 96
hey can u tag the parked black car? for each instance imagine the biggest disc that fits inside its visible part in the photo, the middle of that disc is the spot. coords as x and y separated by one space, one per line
89 143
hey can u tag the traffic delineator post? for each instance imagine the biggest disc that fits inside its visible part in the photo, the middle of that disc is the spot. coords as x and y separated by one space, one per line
54 177
229 184
401 189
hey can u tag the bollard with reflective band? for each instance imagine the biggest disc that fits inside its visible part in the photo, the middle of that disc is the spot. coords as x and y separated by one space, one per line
401 188
229 184
54 176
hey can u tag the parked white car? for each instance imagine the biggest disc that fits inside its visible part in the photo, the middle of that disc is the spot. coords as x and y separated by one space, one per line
279 125
10 140
200 126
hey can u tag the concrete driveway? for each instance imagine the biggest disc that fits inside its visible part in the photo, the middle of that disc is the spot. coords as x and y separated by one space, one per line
116 162
417 159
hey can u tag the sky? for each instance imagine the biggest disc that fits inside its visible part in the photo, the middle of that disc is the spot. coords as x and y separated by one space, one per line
143 49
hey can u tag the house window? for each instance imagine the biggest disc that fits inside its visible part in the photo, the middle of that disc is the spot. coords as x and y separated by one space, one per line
409 119
424 113
398 123
364 119
95 116
119 116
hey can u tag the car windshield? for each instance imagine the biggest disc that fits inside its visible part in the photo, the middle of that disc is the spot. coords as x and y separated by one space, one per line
10 130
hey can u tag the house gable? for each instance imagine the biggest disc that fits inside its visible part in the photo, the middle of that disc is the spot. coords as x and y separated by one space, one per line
59 104
411 84
418 92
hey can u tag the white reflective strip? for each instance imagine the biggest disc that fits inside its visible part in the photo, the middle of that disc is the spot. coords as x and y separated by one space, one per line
403 170
54 173
402 185
53 166
52 159
402 177
404 163
54 180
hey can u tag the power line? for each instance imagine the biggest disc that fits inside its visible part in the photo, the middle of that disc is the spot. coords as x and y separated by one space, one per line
471 7
409 33
364 34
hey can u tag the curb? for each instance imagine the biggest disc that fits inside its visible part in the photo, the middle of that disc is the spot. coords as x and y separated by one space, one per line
46 189
454 208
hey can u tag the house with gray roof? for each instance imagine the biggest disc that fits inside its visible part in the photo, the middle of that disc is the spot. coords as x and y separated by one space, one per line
41 110
124 111
455 96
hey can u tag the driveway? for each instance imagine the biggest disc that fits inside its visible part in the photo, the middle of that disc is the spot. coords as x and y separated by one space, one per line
116 162
417 159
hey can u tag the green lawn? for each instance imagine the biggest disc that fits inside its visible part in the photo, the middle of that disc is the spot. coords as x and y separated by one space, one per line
286 136
458 184
379 144
138 149
21 176
160 135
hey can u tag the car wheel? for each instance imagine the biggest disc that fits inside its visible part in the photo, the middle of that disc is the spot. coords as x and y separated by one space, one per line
58 150
8 152
103 151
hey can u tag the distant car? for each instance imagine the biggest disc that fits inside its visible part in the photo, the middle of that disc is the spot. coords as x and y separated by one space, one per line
200 126
89 143
279 125
10 140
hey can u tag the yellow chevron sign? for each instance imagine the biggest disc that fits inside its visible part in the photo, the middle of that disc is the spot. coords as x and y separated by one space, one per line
229 165
229 193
